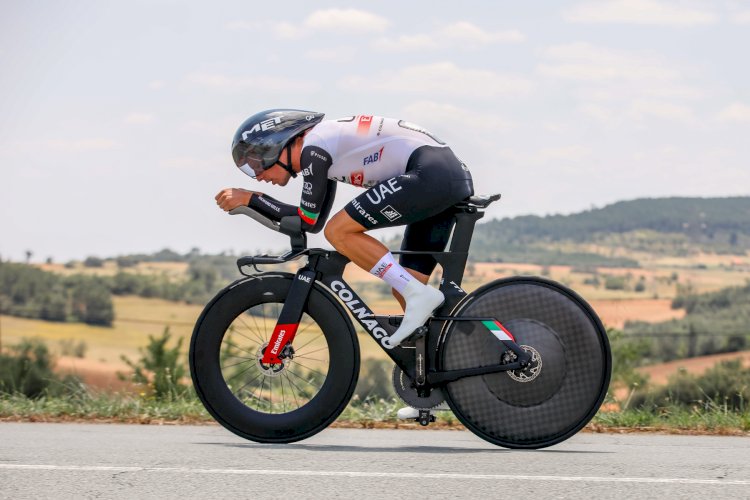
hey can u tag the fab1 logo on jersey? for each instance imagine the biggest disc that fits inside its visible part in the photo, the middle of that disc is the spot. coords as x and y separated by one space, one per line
375 157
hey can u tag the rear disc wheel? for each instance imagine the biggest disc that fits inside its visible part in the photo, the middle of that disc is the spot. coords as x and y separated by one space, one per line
561 389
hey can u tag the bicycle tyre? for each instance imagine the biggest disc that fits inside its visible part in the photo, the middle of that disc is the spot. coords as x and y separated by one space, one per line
572 379
239 416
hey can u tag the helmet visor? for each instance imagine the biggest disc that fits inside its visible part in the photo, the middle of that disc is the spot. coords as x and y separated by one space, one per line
248 160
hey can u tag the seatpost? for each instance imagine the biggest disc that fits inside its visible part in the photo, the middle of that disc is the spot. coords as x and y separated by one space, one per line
460 242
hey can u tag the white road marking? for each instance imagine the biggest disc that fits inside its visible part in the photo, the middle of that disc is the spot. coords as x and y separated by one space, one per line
393 475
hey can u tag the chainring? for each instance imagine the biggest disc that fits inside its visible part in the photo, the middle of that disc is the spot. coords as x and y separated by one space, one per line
402 384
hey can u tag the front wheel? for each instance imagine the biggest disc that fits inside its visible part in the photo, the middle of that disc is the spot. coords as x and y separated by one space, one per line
565 383
275 403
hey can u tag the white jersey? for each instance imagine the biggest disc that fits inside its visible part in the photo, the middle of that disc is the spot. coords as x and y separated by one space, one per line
365 149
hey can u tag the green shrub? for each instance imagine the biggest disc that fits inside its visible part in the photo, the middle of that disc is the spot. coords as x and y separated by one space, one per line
160 368
27 368
615 282
726 385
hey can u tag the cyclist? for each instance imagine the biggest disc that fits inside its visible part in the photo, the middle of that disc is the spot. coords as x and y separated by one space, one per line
410 176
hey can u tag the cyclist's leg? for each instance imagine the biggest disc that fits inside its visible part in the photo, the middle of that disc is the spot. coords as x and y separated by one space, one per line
430 235
434 181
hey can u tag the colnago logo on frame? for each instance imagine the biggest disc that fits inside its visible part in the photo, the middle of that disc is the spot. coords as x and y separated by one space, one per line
362 313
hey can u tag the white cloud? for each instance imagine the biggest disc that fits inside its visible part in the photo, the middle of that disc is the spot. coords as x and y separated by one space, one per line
406 43
80 145
241 83
735 112
339 21
448 36
643 110
741 17
640 12
585 62
332 55
441 78
463 31
346 21
157 84
450 117
571 154
139 118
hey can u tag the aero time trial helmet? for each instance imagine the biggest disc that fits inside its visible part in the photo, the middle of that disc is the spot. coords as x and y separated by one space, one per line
258 143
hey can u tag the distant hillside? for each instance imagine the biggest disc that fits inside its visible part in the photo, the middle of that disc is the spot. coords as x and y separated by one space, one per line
715 224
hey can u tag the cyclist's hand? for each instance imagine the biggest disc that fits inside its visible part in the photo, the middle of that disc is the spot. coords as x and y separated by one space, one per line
231 198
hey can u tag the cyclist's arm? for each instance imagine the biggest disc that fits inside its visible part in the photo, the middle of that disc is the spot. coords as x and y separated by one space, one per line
318 190
271 207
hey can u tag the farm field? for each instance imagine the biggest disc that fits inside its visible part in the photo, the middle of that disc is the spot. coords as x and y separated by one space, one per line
136 318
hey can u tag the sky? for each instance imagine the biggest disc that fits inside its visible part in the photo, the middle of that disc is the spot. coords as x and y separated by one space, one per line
116 118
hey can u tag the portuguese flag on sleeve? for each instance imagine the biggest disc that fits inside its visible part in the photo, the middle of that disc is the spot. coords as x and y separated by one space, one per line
307 216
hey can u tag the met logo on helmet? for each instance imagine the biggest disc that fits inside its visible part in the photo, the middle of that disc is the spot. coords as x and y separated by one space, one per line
262 126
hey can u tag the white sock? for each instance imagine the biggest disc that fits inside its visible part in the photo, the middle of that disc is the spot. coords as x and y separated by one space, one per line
392 273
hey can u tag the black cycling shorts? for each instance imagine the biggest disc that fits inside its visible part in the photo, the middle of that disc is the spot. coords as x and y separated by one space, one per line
421 198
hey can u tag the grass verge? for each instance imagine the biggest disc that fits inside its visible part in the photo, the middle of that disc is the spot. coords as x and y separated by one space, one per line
117 408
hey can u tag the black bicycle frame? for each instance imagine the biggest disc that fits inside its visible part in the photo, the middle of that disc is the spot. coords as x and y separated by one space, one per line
418 361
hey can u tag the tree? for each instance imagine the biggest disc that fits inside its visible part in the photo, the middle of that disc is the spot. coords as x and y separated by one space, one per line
92 301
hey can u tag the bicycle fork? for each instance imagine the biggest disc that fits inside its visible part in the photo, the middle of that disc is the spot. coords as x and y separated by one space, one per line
291 314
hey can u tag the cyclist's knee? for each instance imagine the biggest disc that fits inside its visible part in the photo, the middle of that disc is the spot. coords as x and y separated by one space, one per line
340 227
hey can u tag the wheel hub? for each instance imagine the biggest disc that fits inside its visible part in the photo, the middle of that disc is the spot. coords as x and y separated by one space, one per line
274 369
530 371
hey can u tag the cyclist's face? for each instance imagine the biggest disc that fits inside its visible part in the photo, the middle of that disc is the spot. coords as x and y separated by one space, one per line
276 175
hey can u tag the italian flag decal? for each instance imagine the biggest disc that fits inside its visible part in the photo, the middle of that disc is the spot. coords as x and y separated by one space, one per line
308 217
498 330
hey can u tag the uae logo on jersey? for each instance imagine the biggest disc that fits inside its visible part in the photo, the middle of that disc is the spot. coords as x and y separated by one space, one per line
390 213
376 156
357 178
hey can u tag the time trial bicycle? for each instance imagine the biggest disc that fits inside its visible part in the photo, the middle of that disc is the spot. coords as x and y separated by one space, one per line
523 362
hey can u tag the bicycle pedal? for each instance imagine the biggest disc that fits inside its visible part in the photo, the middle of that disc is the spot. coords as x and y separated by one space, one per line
425 418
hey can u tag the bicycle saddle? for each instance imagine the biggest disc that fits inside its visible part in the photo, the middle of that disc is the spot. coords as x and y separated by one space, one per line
479 201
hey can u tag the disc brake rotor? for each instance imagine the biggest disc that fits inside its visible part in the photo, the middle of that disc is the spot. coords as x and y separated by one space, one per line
274 369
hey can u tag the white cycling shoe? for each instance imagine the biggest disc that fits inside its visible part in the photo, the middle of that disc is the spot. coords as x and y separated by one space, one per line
421 301
409 413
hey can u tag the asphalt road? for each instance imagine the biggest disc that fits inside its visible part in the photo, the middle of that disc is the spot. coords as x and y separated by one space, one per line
129 461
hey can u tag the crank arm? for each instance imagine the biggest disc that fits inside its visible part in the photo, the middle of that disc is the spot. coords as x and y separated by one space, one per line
441 377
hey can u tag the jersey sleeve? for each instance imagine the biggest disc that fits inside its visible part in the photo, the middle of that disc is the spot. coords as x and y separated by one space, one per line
318 191
271 207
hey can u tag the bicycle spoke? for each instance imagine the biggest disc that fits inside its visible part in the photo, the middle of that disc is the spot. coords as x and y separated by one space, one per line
244 360
309 324
308 382
294 395
239 348
298 351
289 379
250 329
297 356
308 368
260 397
237 374
316 338
283 401
248 383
